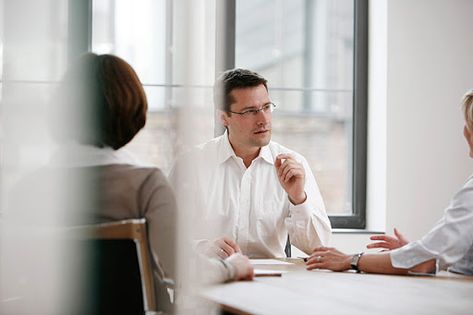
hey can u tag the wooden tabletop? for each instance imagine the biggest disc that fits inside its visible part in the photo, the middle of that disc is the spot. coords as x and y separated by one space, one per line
299 291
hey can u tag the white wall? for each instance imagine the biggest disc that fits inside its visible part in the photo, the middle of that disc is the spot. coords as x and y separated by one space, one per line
420 65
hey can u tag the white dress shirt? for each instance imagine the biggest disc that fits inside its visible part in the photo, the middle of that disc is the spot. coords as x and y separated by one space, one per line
450 242
249 205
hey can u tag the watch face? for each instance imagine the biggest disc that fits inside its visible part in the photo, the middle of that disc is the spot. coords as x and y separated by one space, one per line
354 261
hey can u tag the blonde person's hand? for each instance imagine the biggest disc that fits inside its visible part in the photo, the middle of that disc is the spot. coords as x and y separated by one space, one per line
241 265
328 258
291 175
388 242
224 247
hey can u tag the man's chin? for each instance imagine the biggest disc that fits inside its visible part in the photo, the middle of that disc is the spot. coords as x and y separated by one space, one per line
263 141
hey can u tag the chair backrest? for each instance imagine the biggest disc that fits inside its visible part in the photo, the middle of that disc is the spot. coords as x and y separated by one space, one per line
119 264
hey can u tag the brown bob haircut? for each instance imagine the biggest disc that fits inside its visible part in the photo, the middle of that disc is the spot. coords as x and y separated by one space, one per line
104 100
231 80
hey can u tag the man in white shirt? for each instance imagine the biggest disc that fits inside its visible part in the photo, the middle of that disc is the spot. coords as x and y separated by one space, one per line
247 192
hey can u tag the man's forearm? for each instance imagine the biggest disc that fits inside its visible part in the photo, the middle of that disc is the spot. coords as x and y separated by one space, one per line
307 231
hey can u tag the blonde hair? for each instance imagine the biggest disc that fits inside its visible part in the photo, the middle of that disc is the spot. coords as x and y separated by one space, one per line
467 106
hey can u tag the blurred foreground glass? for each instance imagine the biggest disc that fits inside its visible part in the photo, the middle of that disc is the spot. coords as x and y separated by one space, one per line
163 40
37 274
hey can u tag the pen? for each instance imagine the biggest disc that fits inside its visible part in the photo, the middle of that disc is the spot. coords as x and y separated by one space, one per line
274 274
304 258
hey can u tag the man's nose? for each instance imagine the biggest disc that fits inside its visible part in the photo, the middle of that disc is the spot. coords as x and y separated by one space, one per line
263 117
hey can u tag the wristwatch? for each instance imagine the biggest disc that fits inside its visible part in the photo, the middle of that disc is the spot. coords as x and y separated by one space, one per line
354 261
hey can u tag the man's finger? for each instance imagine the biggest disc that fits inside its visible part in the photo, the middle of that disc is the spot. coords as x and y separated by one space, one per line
232 244
320 249
289 174
285 156
314 260
284 166
319 253
281 157
315 265
298 173
226 248
277 163
220 252
289 164
237 248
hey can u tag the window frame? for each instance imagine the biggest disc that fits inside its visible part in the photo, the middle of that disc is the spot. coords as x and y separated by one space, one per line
79 39
225 59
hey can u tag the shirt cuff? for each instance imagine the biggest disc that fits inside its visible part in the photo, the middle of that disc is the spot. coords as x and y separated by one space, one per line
229 269
302 209
411 255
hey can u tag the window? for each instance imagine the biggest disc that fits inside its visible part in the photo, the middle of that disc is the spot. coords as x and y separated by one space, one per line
313 53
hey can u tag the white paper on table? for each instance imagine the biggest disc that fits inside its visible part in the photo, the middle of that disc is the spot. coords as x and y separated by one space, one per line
269 262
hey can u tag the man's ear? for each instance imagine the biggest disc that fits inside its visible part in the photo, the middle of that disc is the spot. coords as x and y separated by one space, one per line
222 117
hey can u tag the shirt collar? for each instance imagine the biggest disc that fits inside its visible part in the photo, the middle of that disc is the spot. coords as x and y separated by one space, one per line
266 154
225 148
226 151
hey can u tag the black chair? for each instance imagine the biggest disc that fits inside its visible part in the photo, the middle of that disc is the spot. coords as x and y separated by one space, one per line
117 267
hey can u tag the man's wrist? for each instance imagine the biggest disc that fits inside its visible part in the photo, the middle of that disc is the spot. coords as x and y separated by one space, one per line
347 263
299 199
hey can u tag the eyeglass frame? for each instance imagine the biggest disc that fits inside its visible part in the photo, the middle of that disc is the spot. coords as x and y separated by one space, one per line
254 111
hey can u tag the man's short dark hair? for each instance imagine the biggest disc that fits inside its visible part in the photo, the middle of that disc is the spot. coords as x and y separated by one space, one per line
231 80
106 104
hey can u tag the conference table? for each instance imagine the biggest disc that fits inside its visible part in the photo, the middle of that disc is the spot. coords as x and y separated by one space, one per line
298 291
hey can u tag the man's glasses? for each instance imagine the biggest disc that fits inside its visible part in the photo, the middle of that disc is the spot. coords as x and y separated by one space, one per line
267 108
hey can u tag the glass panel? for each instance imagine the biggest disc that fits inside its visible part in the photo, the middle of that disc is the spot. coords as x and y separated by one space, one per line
160 141
305 50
